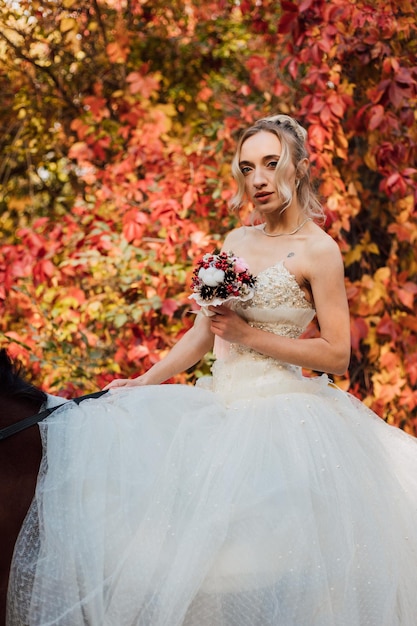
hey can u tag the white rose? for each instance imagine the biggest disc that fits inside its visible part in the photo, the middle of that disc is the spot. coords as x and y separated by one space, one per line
211 276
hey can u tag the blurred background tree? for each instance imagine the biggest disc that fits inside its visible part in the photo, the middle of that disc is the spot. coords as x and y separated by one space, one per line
119 120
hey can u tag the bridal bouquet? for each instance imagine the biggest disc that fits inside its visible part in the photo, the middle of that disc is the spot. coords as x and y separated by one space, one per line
220 278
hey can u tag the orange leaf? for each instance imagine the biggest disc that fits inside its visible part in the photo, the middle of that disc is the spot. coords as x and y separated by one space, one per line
116 52
145 85
77 293
188 198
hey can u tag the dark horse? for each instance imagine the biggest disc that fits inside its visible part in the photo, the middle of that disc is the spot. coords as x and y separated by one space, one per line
20 457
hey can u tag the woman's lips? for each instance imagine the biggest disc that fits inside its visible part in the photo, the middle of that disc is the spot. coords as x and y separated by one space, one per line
262 197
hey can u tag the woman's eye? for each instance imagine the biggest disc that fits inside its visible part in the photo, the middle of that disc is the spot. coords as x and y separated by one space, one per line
272 165
245 169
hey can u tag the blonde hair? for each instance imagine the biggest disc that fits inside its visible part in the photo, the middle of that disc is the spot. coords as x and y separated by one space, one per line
292 137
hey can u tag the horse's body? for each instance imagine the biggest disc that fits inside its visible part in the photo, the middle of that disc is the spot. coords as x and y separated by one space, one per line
20 457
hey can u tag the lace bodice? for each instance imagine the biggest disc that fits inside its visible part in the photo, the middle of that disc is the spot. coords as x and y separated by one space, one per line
278 306
276 287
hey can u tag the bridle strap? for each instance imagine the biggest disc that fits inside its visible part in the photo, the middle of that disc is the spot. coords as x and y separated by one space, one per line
27 422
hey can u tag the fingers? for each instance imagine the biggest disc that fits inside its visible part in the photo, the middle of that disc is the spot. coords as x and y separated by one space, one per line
220 309
118 382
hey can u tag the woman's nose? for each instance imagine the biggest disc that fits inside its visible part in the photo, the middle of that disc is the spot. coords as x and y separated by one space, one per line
258 178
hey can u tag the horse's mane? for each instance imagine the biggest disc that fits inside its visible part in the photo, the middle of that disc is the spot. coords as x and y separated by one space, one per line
13 383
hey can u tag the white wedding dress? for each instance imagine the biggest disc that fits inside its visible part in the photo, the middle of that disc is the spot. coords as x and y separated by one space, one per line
262 498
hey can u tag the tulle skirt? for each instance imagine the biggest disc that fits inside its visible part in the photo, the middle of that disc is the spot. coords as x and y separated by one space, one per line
263 499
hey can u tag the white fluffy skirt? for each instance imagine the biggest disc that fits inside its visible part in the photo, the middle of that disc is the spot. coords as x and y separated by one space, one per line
283 502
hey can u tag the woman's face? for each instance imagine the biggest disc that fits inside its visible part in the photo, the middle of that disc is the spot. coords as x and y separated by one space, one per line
259 156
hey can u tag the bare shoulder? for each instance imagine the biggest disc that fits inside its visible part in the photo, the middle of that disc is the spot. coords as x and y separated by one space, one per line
235 237
322 251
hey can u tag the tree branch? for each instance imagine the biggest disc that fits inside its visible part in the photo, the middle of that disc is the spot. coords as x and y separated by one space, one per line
46 70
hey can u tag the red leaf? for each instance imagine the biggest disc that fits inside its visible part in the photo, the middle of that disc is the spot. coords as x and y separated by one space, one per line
137 352
377 115
43 271
286 5
407 293
289 16
411 367
132 230
387 326
169 307
358 331
317 136
396 94
97 107
293 68
337 109
325 115
305 5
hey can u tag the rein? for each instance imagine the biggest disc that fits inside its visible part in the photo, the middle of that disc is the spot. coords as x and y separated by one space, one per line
27 422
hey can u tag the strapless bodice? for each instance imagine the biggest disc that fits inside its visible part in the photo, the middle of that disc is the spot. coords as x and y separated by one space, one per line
279 306
277 287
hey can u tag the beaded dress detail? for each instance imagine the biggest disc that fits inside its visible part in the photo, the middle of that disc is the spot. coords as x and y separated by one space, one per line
279 305
263 498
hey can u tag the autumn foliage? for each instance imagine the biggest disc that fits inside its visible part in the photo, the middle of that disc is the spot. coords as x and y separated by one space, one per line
119 121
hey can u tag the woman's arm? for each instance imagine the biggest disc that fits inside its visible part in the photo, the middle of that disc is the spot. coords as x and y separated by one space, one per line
188 351
328 353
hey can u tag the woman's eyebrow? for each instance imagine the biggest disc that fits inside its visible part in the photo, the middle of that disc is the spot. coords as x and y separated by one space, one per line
245 163
265 158
271 156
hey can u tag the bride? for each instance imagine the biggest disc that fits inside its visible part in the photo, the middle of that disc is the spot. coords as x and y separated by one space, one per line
259 498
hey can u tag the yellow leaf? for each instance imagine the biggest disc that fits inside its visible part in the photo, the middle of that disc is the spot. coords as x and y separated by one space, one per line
67 24
376 294
353 255
373 248
382 274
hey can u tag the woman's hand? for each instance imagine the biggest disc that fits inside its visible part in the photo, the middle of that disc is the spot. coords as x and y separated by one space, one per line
226 324
140 381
